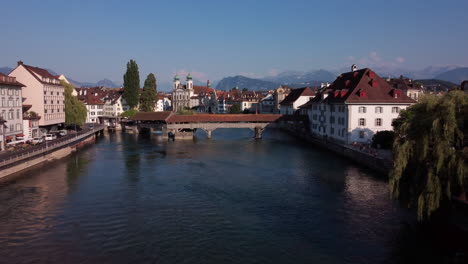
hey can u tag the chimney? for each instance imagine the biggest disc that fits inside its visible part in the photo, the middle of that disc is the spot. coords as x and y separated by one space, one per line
353 67
20 63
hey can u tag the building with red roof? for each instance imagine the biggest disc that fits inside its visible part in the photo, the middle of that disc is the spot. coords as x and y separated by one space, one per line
294 99
355 106
186 96
44 92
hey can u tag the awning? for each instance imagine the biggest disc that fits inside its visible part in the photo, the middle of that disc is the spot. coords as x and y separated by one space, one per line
9 138
20 135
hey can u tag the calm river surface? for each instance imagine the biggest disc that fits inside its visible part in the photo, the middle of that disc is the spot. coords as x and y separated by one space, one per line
231 199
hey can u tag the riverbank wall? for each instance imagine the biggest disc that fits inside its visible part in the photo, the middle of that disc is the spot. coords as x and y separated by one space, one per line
28 161
377 164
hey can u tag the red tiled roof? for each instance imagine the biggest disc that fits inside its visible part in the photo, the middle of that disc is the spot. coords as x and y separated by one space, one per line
363 86
7 80
200 89
295 94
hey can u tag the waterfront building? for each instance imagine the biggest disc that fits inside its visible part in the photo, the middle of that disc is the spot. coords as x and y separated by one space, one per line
355 106
44 93
412 89
30 123
11 108
279 94
267 103
295 98
93 98
163 103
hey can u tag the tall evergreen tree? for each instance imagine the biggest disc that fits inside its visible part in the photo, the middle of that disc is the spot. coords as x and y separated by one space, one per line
131 84
75 111
149 96
431 153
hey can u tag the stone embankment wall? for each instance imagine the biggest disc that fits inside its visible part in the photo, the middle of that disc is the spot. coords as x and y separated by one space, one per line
377 164
7 172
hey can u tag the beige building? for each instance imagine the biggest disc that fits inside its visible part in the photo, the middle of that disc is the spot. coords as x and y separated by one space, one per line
44 93
10 109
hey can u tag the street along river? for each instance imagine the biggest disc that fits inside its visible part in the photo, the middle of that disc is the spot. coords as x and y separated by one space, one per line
231 199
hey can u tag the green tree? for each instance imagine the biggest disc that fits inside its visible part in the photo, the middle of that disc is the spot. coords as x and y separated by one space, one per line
131 84
129 113
235 109
75 110
245 89
185 111
149 96
430 155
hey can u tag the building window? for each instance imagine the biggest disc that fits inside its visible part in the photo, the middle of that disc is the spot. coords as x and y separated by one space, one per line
378 122
362 109
395 109
10 115
332 130
17 114
18 127
45 101
3 91
378 110
332 108
314 117
16 92
45 111
332 119
362 122
362 134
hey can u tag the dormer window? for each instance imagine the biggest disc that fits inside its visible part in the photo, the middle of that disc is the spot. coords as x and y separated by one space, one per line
362 94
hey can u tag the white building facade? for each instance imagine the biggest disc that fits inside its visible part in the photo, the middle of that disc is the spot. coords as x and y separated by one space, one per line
44 93
355 107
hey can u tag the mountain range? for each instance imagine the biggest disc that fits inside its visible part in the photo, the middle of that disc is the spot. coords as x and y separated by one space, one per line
104 82
447 76
451 73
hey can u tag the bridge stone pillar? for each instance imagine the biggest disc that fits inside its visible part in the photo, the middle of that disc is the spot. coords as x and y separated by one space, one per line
258 132
208 133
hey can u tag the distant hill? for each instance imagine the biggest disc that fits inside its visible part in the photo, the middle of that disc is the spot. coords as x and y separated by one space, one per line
241 82
435 85
456 75
6 70
302 78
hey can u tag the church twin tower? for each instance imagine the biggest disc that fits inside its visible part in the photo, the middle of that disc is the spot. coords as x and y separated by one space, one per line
188 84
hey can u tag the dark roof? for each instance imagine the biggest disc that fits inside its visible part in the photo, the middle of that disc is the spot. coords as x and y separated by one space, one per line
295 94
41 72
362 86
404 84
152 116
7 80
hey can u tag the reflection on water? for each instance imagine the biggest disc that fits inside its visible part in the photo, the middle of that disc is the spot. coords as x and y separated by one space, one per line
232 199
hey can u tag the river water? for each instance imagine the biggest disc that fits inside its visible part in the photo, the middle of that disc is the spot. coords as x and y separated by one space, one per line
231 199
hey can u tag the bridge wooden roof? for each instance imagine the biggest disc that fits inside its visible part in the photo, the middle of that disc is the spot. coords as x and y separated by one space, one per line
171 117
152 116
223 118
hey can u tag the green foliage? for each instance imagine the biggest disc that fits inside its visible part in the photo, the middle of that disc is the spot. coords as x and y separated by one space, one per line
185 111
129 113
235 109
383 139
246 111
75 110
131 84
430 161
149 96
245 89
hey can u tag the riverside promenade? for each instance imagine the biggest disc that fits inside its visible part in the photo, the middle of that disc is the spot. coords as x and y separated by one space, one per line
11 162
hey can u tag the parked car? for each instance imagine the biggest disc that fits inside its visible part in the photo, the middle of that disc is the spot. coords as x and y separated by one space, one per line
62 132
50 137
91 126
37 140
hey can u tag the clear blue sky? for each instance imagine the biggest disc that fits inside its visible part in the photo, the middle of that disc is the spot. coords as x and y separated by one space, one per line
92 40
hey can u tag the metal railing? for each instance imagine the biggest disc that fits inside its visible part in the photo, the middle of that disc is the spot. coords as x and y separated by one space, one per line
45 148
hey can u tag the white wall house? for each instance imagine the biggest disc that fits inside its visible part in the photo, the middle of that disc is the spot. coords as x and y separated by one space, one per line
355 107
163 104
295 98
11 108
44 93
